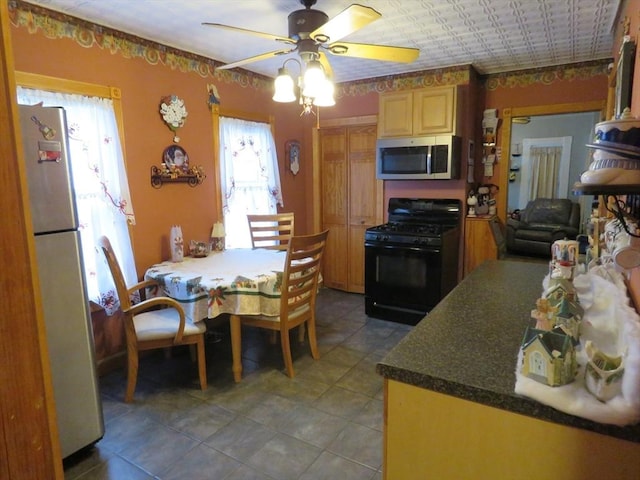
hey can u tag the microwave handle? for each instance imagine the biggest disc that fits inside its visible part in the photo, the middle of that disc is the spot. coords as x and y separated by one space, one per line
429 151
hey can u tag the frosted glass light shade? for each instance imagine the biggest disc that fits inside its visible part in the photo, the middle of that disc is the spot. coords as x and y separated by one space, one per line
325 95
283 87
313 79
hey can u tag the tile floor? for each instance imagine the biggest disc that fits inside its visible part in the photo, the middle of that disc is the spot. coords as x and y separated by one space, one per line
326 423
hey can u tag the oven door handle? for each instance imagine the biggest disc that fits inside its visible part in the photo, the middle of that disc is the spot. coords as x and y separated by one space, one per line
417 248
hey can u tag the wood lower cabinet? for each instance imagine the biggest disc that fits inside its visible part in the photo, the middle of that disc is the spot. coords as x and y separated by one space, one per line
483 240
433 435
351 201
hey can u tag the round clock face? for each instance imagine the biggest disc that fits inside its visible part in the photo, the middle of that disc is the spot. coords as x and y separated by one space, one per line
173 111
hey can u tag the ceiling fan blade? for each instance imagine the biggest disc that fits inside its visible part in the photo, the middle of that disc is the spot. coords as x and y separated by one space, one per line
374 52
347 21
324 61
257 58
269 36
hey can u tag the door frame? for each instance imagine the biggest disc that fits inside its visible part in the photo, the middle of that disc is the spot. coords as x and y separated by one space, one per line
505 141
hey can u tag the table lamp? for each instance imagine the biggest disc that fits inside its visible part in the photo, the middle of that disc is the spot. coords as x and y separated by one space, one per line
217 237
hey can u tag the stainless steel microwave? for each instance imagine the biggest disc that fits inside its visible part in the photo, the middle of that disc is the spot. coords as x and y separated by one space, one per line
419 158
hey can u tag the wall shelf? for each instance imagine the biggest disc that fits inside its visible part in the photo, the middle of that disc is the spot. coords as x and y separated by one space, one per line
193 177
628 206
587 189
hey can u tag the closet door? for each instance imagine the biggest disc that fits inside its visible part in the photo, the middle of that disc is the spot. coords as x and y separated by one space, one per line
333 154
351 201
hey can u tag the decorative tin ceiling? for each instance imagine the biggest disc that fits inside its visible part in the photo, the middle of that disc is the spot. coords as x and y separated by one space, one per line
493 35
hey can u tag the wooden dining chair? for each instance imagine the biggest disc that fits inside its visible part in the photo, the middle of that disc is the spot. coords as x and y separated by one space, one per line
153 323
297 300
271 231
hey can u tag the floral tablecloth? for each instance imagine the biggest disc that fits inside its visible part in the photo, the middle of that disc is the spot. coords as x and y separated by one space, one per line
241 281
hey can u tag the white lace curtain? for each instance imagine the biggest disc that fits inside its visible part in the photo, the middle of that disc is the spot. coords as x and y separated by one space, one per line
249 176
100 183
545 169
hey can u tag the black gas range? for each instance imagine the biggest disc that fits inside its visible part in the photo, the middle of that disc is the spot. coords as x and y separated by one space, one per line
411 262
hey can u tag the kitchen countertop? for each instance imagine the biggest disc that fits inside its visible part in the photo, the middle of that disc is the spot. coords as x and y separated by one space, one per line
467 346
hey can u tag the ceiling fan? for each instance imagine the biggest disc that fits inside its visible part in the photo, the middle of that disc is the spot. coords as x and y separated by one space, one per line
311 33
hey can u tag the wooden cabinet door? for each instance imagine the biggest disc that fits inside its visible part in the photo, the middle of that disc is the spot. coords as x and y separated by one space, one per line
333 154
395 114
434 110
479 242
351 201
365 195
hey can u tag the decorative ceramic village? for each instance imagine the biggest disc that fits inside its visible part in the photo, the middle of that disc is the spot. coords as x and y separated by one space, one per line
549 347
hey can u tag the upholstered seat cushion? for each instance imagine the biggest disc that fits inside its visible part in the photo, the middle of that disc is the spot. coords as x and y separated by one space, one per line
163 323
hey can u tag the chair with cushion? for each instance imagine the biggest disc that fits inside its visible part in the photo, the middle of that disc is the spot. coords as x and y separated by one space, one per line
541 223
153 323
298 289
271 231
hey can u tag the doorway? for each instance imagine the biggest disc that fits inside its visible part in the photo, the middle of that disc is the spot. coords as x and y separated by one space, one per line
521 192
546 121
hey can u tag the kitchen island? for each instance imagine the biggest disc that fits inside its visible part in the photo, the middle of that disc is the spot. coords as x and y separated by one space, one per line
450 406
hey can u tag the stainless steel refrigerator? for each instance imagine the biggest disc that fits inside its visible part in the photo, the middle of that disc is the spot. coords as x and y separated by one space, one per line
61 274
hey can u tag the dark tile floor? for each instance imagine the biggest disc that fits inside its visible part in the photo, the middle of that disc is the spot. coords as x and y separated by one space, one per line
326 423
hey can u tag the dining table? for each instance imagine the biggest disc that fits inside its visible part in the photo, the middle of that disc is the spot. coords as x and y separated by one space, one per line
237 281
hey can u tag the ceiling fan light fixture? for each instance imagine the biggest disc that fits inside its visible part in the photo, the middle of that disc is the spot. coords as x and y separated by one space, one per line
283 87
338 49
313 79
325 96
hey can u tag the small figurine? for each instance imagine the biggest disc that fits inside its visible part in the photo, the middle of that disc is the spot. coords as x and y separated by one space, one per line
543 315
472 201
214 98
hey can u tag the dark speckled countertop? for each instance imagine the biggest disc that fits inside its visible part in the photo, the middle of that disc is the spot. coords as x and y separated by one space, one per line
468 345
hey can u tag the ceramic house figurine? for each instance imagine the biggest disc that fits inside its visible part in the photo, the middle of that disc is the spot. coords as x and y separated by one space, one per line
548 357
569 317
560 288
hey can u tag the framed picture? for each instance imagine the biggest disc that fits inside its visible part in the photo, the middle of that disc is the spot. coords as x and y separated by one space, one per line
175 158
624 77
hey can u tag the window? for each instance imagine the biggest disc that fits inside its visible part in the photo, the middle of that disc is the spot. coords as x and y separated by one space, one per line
249 177
102 193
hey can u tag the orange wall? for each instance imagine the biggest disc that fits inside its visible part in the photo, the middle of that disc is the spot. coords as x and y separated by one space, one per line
564 84
143 84
146 135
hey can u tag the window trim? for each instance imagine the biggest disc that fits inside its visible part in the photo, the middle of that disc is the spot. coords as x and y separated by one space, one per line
61 85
